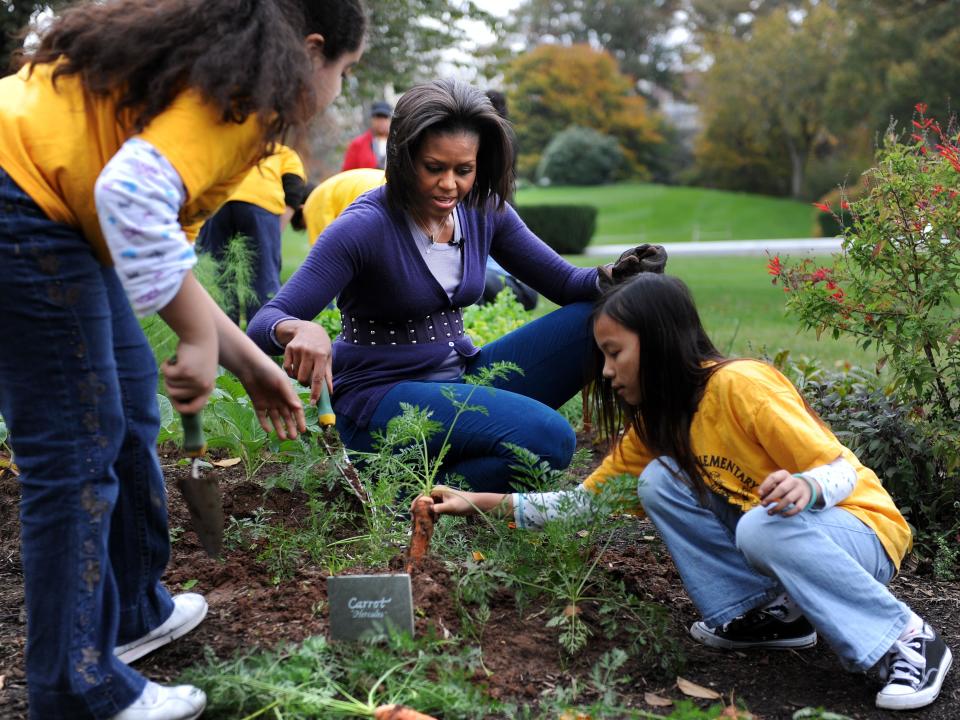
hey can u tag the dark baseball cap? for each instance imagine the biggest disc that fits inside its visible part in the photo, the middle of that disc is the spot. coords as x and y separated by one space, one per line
381 108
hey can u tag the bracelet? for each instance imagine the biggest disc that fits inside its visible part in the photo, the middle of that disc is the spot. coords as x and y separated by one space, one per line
813 490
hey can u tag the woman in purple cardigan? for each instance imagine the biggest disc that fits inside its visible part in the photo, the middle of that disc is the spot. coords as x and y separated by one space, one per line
403 260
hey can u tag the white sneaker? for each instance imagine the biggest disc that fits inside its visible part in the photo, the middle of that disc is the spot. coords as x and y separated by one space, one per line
189 609
159 702
914 670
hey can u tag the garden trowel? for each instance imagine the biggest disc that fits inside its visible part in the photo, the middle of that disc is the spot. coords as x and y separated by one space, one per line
201 494
335 449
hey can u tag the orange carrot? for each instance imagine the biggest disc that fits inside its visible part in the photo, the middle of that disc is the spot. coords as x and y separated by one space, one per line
399 712
423 519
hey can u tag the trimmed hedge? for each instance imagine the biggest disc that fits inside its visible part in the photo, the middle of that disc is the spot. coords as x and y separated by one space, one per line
568 229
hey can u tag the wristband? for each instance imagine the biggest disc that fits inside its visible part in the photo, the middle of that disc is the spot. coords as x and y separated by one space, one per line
813 490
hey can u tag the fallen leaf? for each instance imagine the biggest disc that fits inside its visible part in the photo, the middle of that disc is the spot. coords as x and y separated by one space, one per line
655 700
228 462
478 556
570 715
583 533
571 610
698 691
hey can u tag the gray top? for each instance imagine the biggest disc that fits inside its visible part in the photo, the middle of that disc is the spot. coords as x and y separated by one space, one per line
445 262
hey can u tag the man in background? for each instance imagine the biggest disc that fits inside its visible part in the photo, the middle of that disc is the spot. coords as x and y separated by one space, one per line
369 150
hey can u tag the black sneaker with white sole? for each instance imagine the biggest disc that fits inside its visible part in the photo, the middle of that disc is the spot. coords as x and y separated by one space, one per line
757 629
914 670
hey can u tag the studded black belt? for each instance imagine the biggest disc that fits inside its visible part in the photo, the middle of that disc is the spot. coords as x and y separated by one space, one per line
442 326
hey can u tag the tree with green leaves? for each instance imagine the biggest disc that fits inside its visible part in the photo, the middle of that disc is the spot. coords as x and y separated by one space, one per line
772 85
903 52
406 39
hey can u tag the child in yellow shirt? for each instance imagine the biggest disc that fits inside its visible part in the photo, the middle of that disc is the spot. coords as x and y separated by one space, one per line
129 122
778 531
268 195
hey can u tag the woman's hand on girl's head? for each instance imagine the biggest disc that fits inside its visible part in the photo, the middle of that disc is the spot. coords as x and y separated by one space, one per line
307 354
191 374
784 493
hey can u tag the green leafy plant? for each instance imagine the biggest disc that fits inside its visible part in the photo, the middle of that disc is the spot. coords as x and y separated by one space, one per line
317 679
895 284
485 323
231 423
170 427
403 451
235 280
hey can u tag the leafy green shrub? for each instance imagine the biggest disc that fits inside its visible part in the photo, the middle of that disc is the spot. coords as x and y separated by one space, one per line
890 439
894 285
580 156
568 229
485 323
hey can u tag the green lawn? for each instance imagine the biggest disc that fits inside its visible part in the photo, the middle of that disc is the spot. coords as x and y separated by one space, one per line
638 213
741 309
743 312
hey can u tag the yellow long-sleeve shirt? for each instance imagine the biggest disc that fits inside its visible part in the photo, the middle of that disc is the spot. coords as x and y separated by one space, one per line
751 422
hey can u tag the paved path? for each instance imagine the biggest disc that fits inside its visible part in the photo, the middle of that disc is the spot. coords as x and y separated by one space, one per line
732 247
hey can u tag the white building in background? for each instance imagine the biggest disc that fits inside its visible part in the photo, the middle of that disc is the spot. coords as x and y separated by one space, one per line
684 116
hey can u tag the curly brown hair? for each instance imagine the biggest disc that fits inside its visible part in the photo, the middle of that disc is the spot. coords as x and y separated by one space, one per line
244 56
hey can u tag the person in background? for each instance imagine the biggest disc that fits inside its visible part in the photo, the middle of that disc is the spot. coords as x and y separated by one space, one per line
128 122
369 149
402 261
257 210
330 198
778 531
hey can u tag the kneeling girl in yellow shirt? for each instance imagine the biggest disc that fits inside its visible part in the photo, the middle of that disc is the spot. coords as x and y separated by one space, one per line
778 531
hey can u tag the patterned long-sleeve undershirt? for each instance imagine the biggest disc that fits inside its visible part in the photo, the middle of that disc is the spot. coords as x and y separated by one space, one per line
533 510
138 197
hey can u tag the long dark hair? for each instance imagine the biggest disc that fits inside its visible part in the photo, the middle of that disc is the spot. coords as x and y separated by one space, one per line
447 107
676 361
246 57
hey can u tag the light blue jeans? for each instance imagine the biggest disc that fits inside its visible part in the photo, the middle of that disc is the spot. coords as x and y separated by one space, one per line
830 563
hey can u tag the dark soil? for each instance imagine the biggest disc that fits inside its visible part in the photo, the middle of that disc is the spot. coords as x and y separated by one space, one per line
248 610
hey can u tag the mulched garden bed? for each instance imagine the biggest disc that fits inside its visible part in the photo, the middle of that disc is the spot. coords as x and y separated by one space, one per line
248 610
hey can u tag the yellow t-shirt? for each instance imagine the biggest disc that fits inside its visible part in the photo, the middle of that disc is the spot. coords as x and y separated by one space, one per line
263 184
54 142
333 195
751 422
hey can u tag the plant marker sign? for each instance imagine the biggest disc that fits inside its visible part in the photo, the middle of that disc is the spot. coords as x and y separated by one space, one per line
363 607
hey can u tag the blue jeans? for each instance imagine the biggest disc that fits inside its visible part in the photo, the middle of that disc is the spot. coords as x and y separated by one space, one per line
553 351
78 392
261 229
830 563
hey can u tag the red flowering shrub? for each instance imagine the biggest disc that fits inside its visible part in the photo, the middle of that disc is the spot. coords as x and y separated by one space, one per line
895 285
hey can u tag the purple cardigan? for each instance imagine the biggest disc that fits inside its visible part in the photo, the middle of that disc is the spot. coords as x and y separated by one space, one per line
368 260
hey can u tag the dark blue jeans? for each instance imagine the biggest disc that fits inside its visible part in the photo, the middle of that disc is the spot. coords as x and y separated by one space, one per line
78 392
553 351
261 228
